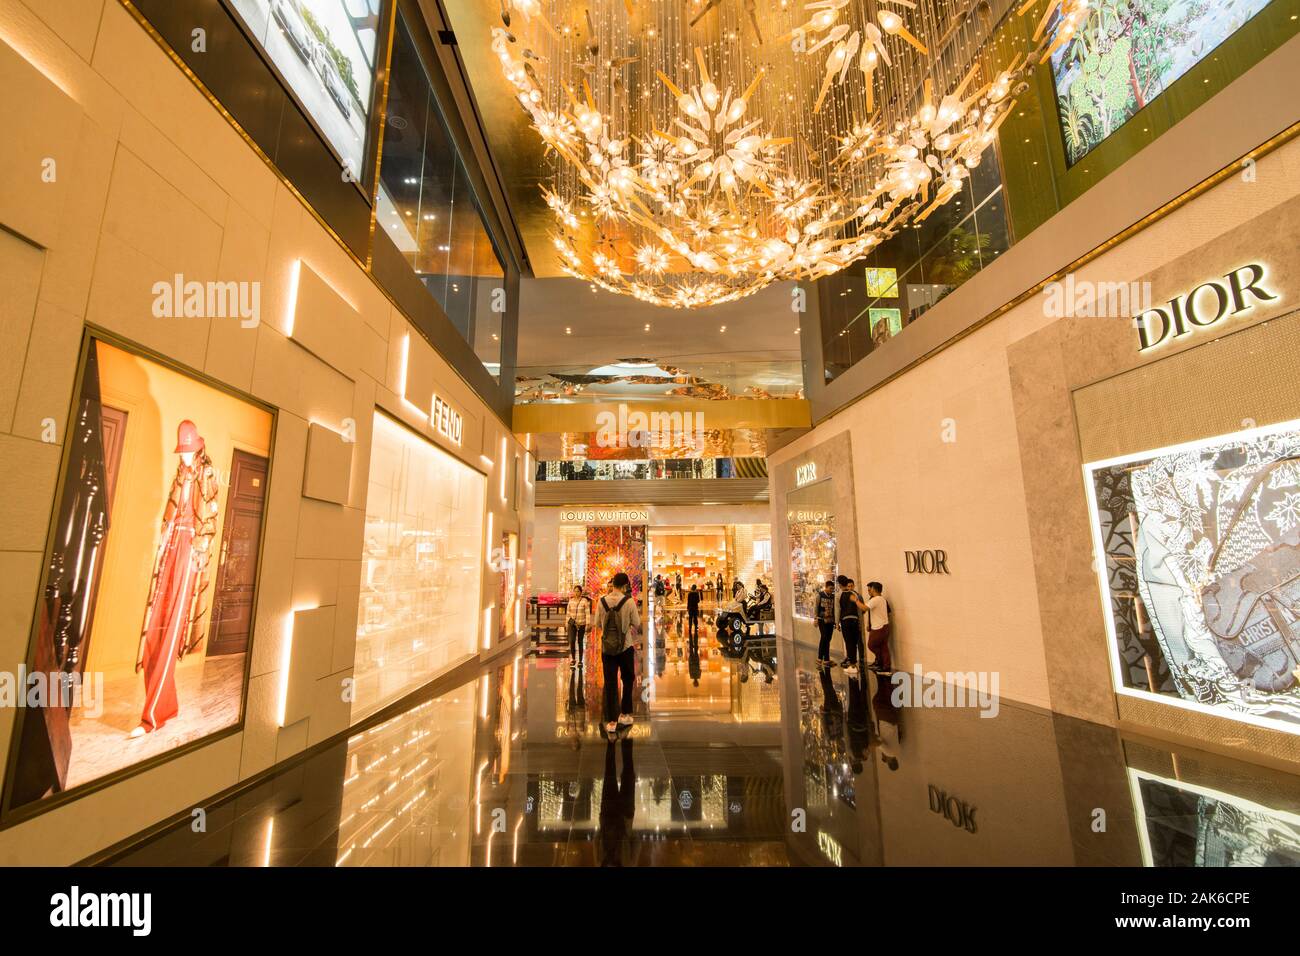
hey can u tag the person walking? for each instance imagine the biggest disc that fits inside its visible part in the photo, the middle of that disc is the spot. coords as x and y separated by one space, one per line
719 588
578 614
825 612
877 609
851 608
693 612
619 622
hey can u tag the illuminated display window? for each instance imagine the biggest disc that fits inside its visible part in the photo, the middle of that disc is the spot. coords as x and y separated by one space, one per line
1201 577
147 607
421 570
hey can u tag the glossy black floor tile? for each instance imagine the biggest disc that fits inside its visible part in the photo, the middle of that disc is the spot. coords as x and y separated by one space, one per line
760 758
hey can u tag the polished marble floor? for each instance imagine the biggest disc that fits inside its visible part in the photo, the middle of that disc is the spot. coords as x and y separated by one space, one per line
751 760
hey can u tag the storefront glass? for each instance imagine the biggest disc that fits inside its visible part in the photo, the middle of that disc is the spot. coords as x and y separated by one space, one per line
1201 572
421 569
427 207
145 620
813 558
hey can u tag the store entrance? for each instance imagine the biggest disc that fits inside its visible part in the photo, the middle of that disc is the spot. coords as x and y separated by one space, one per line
814 556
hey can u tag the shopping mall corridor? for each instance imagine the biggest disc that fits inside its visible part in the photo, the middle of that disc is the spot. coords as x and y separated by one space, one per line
756 758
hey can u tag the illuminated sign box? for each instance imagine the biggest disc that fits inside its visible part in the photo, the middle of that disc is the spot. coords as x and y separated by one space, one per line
1198 550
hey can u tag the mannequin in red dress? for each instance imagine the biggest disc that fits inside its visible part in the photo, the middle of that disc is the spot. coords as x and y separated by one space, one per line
173 616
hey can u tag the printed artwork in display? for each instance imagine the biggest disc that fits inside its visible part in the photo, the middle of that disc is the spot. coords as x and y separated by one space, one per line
614 548
325 51
1128 52
812 556
1202 571
1187 825
147 607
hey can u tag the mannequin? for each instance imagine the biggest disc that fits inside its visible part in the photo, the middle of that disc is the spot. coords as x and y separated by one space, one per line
173 621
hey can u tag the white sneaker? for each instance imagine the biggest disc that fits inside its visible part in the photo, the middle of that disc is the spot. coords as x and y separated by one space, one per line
851 670
625 720
611 728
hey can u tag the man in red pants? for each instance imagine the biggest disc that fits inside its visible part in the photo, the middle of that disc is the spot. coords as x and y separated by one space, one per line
878 628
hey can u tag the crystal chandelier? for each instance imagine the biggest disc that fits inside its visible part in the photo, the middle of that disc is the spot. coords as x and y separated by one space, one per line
703 149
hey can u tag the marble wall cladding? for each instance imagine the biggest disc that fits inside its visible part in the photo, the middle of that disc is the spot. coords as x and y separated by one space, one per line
979 449
831 461
117 173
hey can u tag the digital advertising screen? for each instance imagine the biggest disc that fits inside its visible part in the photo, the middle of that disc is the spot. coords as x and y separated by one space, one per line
1127 53
325 51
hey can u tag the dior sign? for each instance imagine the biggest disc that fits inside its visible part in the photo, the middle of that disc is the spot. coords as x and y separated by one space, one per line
1208 303
956 811
926 562
805 474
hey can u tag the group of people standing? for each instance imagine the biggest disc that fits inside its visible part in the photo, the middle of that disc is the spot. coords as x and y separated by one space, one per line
847 611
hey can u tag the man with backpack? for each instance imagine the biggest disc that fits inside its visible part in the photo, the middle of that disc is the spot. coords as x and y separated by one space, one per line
619 622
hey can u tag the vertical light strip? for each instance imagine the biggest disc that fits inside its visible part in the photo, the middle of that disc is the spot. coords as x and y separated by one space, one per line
406 361
295 273
487 628
270 834
501 464
286 656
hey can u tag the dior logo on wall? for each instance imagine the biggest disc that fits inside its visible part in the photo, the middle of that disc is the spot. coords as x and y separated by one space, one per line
1205 305
926 562
805 474
957 812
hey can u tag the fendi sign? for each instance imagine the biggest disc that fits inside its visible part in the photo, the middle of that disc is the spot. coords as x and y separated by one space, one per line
926 562
1205 305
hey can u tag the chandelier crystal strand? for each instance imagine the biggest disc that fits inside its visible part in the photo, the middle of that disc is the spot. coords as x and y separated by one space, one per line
703 149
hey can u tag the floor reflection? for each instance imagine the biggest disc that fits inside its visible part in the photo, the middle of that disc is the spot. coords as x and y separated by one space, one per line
749 758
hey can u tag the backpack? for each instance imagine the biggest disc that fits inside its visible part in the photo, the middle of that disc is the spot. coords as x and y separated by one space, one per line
612 637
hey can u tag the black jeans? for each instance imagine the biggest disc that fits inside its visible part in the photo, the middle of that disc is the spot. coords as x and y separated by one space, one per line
693 622
827 629
851 628
616 666
577 638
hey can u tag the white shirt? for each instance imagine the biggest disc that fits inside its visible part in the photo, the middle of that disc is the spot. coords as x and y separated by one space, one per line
877 612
